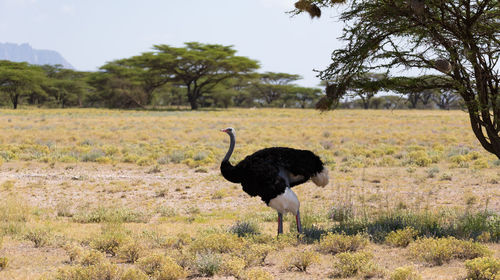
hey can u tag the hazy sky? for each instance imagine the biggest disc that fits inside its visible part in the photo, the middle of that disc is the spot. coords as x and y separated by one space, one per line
88 33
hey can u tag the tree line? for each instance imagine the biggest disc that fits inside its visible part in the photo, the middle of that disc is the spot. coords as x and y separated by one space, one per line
203 75
196 75
422 92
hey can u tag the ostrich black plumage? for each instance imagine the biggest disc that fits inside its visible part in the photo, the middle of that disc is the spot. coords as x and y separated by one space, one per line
271 173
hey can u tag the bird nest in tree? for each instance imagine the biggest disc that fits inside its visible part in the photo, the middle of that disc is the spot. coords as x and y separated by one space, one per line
307 6
443 65
417 6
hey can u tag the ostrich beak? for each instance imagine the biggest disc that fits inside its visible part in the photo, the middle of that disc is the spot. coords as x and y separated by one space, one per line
223 130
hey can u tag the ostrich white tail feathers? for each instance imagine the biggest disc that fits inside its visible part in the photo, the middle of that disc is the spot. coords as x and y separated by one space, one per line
321 179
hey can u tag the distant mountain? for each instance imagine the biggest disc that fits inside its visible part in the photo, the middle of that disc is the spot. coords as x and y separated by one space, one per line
25 53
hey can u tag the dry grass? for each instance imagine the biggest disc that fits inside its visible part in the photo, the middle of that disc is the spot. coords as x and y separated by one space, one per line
136 184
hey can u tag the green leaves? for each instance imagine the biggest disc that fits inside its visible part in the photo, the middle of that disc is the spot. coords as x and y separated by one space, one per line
198 67
19 79
456 38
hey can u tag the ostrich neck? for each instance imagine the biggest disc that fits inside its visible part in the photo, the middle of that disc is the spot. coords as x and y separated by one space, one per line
231 147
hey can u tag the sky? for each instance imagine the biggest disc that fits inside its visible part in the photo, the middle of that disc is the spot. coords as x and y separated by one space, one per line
89 33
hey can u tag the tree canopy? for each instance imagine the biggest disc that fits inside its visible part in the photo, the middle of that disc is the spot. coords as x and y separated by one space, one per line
19 79
199 67
459 38
271 86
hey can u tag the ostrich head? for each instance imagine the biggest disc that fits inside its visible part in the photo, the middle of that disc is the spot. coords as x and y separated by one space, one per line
228 130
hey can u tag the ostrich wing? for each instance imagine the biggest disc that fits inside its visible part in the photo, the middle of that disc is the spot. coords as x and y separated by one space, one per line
264 179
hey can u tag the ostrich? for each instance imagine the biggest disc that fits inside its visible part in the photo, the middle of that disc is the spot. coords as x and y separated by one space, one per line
271 173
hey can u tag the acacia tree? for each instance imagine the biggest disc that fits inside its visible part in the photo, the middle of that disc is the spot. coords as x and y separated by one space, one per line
272 86
200 67
460 38
67 87
19 79
304 96
118 86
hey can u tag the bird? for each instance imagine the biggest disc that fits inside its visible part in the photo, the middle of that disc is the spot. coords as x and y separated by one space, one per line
271 173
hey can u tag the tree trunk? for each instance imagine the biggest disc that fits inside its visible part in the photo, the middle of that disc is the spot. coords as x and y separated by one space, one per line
193 101
413 99
15 100
365 104
491 146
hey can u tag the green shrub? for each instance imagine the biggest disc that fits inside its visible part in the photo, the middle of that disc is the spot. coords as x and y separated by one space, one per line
39 236
458 160
103 271
312 234
102 214
216 242
7 185
93 155
419 158
335 243
131 251
257 274
92 257
354 264
486 268
178 241
401 237
170 271
165 211
446 177
63 209
480 163
233 266
183 257
405 273
442 250
144 161
208 263
262 239
342 212
245 228
153 263
219 194
468 225
109 242
256 254
154 169
287 239
134 274
176 156
301 260
431 172
161 267
130 158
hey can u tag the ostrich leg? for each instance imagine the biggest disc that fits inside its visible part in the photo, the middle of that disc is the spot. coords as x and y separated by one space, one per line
299 225
280 223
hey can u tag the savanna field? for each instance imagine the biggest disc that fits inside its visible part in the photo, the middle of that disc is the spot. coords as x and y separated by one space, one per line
109 194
